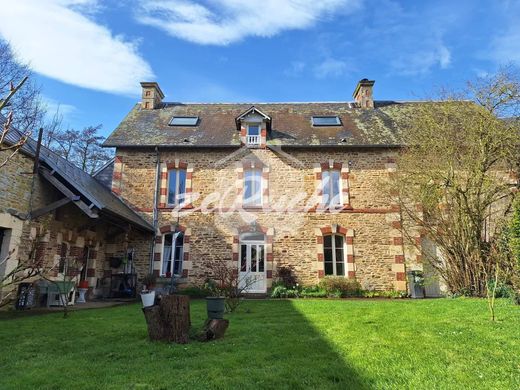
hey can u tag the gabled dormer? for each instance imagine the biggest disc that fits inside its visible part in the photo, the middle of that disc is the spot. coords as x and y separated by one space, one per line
253 125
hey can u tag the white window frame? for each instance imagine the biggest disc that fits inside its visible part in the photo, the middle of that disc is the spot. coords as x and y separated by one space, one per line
333 248
259 125
330 186
261 189
172 255
177 201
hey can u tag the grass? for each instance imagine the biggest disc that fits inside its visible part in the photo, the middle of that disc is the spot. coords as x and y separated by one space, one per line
360 344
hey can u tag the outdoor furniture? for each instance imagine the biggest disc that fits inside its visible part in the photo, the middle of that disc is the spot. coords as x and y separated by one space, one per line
123 285
55 290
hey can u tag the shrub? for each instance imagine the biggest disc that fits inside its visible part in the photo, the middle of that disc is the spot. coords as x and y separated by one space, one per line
194 292
279 292
394 294
149 281
286 277
338 286
313 292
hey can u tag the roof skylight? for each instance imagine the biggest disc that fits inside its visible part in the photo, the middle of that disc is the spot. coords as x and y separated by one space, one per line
324 120
184 121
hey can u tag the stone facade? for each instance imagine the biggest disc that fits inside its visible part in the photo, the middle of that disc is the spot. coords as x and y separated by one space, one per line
290 215
63 231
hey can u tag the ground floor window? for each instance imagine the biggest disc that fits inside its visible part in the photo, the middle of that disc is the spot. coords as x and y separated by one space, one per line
172 254
334 254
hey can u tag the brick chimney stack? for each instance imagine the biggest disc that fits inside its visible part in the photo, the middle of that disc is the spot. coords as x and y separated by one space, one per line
363 93
152 95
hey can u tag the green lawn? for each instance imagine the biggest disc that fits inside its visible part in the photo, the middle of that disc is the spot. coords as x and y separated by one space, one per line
371 344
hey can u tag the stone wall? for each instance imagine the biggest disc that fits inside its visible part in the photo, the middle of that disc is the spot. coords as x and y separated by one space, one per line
41 240
374 239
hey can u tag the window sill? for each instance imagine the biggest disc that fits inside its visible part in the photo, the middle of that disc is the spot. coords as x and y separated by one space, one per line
172 207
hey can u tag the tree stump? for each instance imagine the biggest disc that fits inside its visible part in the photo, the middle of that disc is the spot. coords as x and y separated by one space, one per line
169 320
213 330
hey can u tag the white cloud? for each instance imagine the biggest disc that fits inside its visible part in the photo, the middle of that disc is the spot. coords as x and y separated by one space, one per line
67 111
295 69
422 61
330 68
228 21
61 42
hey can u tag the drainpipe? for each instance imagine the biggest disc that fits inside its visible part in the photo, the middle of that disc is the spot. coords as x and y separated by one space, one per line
155 211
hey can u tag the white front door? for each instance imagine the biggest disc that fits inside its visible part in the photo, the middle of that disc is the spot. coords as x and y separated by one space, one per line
252 266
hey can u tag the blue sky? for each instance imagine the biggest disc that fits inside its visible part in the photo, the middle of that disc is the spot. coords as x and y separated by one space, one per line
90 55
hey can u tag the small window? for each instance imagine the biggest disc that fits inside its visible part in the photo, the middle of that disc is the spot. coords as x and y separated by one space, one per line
184 121
326 121
173 252
331 187
176 186
253 135
253 187
333 253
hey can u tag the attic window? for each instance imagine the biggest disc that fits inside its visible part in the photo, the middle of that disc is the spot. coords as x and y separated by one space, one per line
326 121
184 121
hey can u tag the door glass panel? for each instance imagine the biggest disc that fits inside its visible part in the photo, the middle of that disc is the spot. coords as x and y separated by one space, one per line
243 258
172 186
253 257
327 254
328 269
325 179
182 186
327 241
335 187
167 253
261 258
339 255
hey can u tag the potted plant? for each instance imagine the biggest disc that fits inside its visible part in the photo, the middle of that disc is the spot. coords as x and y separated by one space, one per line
148 293
215 301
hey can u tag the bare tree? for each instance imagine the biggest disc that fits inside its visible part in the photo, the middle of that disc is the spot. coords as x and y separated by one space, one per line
27 108
82 148
88 153
453 182
226 281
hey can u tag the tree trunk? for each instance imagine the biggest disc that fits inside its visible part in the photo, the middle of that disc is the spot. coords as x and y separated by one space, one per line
213 330
170 319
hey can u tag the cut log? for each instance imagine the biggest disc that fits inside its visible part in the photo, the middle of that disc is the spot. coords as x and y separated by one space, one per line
213 330
169 320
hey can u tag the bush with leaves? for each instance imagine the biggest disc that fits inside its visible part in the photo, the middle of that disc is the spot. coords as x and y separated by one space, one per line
338 286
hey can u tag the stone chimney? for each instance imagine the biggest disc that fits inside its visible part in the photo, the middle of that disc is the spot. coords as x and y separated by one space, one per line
152 95
363 93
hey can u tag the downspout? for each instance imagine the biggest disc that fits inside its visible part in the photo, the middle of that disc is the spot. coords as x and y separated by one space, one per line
155 210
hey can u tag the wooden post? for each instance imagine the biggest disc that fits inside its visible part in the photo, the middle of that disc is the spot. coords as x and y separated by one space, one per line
170 319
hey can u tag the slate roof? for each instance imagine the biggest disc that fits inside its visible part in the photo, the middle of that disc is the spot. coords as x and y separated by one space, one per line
291 125
85 184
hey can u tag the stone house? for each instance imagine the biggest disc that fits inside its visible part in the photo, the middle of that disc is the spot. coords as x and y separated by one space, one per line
265 186
52 211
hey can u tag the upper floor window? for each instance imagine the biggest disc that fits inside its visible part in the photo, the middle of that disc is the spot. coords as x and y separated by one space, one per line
331 187
333 255
184 121
326 121
253 134
176 186
253 187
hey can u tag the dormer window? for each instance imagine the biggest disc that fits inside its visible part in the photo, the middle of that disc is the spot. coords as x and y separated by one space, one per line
326 121
184 121
253 134
254 125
